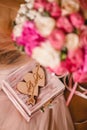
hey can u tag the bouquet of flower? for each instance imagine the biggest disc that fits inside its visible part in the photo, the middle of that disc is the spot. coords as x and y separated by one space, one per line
54 32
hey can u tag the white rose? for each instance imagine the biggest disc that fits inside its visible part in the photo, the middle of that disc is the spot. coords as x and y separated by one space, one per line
41 9
45 25
30 1
30 4
46 55
22 9
65 12
17 30
72 41
20 19
70 6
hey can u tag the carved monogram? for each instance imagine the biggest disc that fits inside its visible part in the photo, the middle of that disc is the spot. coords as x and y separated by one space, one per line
32 82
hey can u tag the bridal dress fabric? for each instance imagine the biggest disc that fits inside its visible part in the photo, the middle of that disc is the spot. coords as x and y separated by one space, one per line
55 118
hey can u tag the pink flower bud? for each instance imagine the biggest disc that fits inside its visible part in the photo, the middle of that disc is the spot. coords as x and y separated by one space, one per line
77 20
57 39
64 23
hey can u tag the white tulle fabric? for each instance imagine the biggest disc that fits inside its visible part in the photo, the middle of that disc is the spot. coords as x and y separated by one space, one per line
56 118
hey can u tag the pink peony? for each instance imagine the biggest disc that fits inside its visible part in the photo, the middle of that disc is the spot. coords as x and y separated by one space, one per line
53 9
30 38
64 23
77 20
57 39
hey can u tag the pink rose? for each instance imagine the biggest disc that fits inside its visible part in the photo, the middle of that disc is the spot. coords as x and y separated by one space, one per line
83 42
80 76
85 58
39 4
64 23
60 70
77 20
83 38
53 9
72 63
76 59
68 65
30 38
65 66
57 39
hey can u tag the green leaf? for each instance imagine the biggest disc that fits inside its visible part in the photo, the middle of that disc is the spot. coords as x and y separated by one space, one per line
64 53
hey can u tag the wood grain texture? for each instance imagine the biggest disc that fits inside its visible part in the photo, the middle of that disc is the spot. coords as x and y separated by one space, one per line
9 55
8 11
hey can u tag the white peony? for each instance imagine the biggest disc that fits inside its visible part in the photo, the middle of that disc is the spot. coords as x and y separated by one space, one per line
46 55
72 41
70 6
45 25
17 30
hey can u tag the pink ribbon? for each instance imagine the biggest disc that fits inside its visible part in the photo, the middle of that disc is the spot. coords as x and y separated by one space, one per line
72 88
71 94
